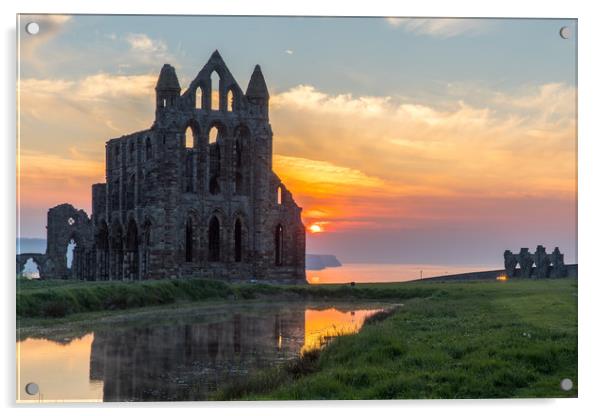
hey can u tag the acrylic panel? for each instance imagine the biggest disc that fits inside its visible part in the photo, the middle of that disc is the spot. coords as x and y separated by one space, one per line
295 208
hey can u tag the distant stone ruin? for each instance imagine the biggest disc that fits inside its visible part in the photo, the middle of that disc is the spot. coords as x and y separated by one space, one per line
539 265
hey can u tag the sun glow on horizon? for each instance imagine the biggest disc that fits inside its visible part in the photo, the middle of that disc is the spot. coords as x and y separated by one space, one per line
316 228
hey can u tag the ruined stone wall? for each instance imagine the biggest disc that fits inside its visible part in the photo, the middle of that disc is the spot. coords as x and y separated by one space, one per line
539 264
212 208
66 224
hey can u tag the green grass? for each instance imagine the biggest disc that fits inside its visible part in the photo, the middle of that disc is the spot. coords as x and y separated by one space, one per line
55 299
59 298
470 340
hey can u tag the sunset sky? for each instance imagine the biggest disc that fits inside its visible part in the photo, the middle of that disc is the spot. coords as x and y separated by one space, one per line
404 140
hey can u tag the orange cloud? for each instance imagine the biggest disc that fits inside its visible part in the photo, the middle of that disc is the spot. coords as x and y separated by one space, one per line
522 147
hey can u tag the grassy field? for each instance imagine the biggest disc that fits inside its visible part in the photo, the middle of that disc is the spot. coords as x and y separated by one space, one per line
468 340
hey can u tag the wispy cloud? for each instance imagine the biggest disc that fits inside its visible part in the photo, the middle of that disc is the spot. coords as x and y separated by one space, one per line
148 51
142 42
441 27
90 88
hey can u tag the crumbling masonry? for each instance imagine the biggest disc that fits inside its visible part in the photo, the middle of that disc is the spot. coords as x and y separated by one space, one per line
546 265
208 206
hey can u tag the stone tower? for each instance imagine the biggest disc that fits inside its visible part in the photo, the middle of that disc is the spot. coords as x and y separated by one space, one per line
193 196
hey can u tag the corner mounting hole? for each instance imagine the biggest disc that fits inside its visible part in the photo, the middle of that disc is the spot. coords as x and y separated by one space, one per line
32 389
70 221
32 28
565 32
566 384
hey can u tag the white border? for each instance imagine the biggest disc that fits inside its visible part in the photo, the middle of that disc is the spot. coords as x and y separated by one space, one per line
590 188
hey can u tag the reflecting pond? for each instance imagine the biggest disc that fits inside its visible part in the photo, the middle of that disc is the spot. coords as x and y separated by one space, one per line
177 355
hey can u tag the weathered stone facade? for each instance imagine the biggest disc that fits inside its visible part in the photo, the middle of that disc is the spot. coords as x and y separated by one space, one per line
209 206
540 264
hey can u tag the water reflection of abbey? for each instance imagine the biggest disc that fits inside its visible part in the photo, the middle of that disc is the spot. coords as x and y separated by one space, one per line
187 361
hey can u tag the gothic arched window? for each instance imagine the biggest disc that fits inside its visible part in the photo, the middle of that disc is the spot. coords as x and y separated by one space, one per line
214 240
230 101
189 143
199 98
215 80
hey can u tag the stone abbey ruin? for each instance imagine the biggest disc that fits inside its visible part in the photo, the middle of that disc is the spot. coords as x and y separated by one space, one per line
194 195
539 264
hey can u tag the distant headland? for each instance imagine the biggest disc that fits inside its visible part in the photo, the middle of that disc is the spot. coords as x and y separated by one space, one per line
321 261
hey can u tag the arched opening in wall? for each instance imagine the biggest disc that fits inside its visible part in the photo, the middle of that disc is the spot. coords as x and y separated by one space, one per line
238 241
230 101
189 143
149 149
164 103
279 195
198 98
188 240
279 245
132 248
213 134
31 269
238 154
214 239
215 80
70 254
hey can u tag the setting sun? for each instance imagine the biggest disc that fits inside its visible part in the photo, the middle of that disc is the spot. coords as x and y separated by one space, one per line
316 228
